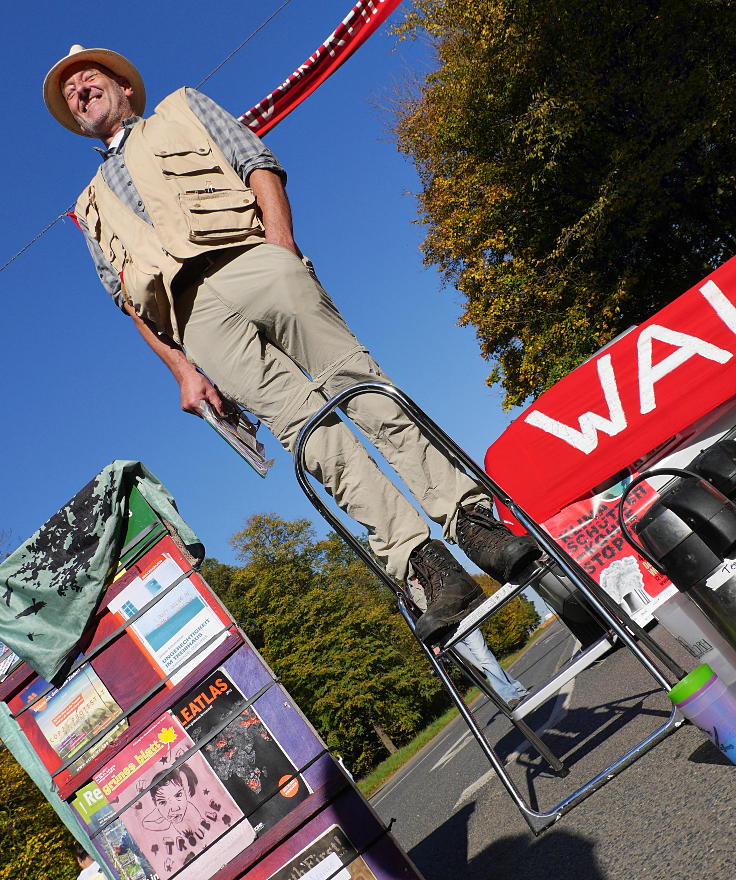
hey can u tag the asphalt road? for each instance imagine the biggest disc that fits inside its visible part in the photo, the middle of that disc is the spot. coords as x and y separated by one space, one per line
670 815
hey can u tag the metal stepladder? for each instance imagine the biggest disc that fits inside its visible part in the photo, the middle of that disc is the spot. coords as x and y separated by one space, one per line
555 561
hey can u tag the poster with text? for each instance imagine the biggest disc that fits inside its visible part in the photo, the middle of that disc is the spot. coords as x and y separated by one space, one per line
589 531
173 813
244 753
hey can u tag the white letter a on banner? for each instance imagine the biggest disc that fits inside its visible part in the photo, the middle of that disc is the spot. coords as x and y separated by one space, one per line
586 438
686 347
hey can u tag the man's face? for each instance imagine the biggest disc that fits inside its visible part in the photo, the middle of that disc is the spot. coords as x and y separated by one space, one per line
97 99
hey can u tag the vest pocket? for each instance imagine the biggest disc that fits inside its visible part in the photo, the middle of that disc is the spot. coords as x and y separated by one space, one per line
184 162
147 293
114 251
221 216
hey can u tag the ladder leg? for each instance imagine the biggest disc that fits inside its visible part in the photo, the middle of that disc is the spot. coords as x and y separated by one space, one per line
524 729
531 816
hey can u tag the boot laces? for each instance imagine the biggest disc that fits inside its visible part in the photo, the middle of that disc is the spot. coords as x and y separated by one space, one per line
476 525
429 567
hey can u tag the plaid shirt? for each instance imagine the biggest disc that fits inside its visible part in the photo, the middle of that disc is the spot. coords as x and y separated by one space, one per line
243 149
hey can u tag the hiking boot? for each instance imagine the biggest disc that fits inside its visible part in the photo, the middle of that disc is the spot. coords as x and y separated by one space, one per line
491 546
450 591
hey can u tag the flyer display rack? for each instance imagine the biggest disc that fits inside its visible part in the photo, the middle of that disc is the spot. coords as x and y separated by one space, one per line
172 751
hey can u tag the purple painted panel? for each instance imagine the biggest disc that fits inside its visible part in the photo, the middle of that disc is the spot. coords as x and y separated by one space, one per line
345 838
281 715
248 670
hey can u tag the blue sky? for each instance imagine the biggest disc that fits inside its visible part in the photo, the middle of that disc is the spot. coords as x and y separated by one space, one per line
80 387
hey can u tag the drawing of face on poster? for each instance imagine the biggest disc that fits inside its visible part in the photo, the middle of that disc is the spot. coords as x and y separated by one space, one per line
177 810
183 811
172 795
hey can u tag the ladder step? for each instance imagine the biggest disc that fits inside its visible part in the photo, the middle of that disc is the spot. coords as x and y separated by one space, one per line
573 667
526 578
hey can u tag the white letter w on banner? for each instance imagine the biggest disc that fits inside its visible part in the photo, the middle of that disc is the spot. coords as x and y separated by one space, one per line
586 439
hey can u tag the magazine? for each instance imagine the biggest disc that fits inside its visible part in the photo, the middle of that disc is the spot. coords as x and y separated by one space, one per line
114 840
71 716
8 659
330 857
177 626
173 813
239 431
245 755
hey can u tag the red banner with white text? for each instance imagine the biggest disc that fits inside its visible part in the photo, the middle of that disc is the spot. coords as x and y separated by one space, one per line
633 396
362 21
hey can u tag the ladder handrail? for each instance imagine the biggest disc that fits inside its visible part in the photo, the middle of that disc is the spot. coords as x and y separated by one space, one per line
600 601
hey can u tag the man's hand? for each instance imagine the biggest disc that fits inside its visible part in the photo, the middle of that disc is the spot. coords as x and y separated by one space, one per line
193 388
286 241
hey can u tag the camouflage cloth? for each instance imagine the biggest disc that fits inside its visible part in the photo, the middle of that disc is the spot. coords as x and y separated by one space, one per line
50 585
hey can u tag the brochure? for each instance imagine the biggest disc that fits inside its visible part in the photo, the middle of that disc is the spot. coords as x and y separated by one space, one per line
113 841
8 659
237 429
330 857
177 626
245 755
173 813
71 716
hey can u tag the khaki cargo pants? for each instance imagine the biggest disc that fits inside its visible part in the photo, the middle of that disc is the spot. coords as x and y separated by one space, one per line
267 334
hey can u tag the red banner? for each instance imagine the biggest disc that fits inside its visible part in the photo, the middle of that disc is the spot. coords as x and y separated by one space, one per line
633 396
362 20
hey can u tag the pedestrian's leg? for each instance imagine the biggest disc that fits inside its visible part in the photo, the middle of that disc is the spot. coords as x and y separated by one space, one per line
475 650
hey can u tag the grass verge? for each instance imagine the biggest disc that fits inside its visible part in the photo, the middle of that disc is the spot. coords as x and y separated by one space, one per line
386 769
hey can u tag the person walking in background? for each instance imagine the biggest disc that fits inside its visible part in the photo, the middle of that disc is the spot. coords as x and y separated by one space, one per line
90 869
475 650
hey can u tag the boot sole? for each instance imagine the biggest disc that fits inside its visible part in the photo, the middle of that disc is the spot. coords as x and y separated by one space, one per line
521 558
429 625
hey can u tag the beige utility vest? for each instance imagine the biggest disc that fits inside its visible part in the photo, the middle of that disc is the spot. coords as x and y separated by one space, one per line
196 202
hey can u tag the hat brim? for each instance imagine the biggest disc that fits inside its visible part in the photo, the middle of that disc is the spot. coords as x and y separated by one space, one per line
118 64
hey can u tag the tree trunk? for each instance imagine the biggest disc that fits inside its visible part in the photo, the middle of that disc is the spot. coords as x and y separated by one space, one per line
384 737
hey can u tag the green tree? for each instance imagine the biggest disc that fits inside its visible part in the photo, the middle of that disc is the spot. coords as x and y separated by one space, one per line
33 842
577 164
508 629
330 632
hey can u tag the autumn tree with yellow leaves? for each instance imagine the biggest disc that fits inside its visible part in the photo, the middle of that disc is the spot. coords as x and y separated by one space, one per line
33 842
577 164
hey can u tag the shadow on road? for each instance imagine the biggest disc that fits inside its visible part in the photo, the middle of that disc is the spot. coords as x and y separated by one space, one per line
557 854
707 753
579 731
574 735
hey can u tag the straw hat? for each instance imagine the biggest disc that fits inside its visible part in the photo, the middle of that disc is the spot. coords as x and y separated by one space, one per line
112 60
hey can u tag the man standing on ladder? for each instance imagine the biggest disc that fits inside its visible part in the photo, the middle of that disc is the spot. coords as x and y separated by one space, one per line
189 227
